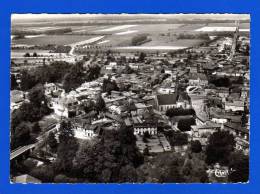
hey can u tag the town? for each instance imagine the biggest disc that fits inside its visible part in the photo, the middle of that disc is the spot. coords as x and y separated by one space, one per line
96 111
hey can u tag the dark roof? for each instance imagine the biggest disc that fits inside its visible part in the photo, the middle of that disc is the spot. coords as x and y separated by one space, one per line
236 127
195 76
166 99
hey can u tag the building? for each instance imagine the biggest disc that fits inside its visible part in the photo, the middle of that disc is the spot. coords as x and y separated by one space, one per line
234 106
51 89
26 179
65 106
83 129
166 101
17 98
198 79
141 126
202 132
140 109
166 90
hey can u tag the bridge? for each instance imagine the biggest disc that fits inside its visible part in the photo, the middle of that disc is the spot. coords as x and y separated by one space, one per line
21 150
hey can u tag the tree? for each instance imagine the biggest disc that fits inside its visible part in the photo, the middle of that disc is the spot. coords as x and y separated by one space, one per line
109 86
103 160
14 84
185 124
52 142
44 173
74 78
61 178
21 135
196 146
128 174
27 80
219 148
100 104
179 139
36 127
239 165
164 168
146 151
141 57
93 72
220 81
139 39
36 95
35 54
179 112
27 55
67 148
127 70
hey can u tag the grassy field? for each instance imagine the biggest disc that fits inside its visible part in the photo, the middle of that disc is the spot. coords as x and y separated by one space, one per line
52 39
121 35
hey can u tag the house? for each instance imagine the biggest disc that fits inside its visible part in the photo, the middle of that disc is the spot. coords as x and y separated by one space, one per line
198 79
26 179
244 92
141 126
115 109
65 106
223 92
237 130
202 132
111 66
17 98
234 106
52 89
166 101
183 101
165 90
140 109
243 145
83 129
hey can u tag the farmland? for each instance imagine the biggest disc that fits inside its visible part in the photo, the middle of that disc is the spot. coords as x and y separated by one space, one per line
114 36
52 39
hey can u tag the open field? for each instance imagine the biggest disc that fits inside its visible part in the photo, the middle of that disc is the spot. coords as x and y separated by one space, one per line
126 32
168 48
52 39
220 29
88 41
162 36
116 28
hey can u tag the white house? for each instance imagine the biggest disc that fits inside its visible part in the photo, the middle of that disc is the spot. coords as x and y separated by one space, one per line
17 98
84 130
198 79
234 106
140 129
64 106
51 88
140 126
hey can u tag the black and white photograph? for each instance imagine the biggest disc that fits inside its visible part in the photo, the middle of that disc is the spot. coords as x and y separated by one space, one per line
129 98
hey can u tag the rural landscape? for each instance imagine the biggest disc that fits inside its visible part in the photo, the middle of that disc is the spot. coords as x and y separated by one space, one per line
130 98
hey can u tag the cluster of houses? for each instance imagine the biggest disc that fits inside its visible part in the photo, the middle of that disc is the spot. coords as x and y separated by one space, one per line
155 85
